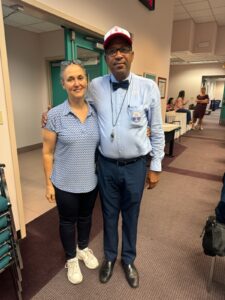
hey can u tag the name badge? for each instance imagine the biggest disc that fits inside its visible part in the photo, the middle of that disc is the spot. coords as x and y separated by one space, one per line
136 116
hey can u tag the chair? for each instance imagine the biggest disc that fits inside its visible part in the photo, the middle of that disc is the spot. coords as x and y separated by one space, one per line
10 256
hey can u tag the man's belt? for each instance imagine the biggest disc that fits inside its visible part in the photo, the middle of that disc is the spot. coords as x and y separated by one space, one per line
123 162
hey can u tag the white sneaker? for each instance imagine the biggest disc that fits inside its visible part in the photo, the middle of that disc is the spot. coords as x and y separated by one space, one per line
74 274
88 257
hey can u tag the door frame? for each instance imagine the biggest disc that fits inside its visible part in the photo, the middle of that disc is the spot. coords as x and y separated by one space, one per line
80 41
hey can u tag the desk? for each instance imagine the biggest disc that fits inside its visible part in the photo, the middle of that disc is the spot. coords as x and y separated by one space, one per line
173 117
169 131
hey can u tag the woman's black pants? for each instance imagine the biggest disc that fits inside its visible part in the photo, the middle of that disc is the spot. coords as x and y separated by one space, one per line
75 215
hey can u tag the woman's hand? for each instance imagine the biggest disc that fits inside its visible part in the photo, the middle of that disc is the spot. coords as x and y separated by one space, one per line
50 193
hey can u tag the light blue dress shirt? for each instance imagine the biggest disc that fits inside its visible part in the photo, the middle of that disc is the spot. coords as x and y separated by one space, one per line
74 156
135 109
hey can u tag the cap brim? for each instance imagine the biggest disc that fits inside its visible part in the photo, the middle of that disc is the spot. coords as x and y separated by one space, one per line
115 35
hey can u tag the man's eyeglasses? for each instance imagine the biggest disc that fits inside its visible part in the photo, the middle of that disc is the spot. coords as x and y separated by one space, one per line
113 51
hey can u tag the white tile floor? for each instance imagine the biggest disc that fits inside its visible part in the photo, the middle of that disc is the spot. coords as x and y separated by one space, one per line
33 185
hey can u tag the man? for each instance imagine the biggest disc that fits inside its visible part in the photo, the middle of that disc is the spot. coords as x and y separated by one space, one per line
220 209
126 104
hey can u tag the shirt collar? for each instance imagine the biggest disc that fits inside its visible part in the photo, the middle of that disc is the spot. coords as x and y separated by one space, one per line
113 79
67 109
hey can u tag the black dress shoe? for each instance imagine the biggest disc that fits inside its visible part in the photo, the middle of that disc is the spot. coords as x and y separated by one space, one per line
106 271
131 274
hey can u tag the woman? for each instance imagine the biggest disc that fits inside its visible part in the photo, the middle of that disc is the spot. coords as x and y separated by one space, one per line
179 106
70 139
199 111
169 105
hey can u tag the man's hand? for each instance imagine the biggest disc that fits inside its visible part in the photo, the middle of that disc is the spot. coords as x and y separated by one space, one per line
152 179
44 117
148 131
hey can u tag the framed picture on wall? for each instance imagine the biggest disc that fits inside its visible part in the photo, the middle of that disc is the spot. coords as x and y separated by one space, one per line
162 87
150 76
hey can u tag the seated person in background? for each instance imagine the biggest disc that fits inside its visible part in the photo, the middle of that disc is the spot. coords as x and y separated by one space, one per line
199 112
169 105
220 209
179 106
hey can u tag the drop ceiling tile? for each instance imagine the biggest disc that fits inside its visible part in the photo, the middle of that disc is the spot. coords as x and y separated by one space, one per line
23 19
197 6
179 9
10 22
221 23
219 10
201 13
217 3
8 2
204 19
191 1
182 16
45 26
219 17
6 10
29 28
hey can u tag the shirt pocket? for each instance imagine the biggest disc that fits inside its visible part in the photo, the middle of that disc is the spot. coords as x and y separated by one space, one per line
137 116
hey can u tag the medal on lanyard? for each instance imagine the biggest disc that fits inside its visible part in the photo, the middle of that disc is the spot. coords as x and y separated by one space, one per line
112 135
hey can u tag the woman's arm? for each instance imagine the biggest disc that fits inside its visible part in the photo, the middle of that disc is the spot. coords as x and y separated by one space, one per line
49 142
203 101
206 100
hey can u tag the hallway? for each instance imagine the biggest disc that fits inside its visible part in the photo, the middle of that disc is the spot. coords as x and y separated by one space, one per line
170 258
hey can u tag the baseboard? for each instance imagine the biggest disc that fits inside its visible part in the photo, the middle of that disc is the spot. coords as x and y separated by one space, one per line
29 148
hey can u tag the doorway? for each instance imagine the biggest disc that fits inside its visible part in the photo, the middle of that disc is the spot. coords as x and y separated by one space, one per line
82 49
216 89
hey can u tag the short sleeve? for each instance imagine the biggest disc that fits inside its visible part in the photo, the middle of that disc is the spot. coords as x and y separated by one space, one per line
51 123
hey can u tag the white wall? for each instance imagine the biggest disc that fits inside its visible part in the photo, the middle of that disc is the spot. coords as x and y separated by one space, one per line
5 151
25 68
52 44
189 78
52 48
27 52
219 90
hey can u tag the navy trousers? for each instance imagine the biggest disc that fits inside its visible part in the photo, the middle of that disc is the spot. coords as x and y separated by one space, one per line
121 188
220 209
